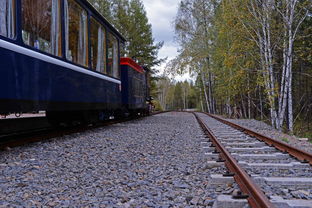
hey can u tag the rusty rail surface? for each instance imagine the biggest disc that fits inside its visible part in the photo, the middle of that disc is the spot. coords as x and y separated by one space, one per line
299 154
256 197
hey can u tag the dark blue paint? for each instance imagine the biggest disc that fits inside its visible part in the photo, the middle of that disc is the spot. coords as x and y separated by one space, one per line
133 98
24 78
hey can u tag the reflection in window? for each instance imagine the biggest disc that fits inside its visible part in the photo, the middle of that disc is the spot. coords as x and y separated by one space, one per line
7 18
98 46
138 86
113 56
76 33
41 26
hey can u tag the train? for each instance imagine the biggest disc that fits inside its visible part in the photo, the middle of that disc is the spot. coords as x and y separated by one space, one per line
63 57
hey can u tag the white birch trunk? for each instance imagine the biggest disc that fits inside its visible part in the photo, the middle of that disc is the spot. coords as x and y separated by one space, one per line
201 100
286 68
211 99
184 98
261 105
262 13
267 80
270 65
201 104
249 98
283 87
228 107
291 26
205 90
290 107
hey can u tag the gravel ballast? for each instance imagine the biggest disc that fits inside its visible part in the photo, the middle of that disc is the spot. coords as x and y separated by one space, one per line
269 131
152 162
298 191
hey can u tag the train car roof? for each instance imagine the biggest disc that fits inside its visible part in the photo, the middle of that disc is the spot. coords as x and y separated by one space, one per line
130 62
100 16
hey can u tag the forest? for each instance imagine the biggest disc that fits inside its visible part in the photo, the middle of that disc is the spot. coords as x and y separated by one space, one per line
251 58
246 58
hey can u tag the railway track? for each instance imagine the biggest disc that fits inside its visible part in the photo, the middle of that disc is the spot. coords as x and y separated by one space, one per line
268 172
18 132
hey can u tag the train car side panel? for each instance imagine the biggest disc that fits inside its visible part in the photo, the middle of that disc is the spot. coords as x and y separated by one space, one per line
133 85
34 84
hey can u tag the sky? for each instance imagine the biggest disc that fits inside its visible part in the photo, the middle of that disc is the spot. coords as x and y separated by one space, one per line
161 14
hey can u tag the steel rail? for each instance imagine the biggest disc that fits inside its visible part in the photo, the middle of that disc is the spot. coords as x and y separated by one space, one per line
256 197
299 154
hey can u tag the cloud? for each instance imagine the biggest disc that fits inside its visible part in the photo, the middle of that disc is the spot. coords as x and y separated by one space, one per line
161 14
169 51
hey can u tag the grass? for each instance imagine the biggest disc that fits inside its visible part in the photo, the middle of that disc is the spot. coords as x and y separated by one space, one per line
303 130
307 135
285 140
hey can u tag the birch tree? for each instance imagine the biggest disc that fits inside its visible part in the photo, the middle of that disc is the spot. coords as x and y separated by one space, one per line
193 29
260 30
264 14
292 17
164 85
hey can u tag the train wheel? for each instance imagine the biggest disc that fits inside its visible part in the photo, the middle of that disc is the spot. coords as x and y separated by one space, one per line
90 117
66 118
55 118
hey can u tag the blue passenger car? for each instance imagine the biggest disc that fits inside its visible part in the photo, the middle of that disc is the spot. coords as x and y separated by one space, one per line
58 56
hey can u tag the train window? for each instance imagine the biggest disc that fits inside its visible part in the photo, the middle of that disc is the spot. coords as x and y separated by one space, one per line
41 25
113 68
98 46
7 18
76 33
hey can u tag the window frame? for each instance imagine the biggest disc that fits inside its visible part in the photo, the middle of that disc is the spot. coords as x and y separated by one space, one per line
15 22
109 32
91 12
105 44
19 37
88 56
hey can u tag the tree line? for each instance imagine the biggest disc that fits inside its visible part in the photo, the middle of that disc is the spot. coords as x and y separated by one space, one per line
176 95
250 57
130 19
